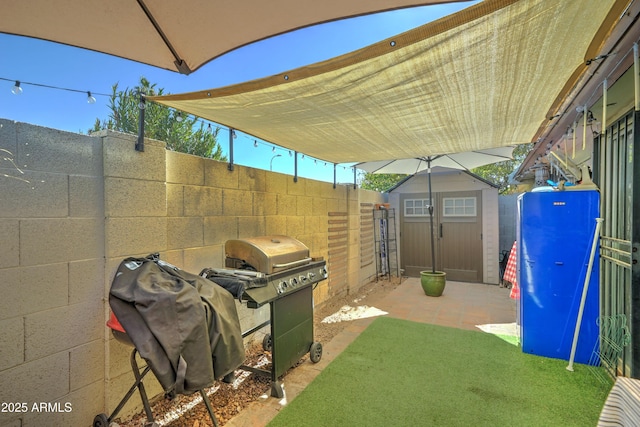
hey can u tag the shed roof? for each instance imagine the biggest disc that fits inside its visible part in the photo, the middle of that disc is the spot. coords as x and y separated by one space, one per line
438 170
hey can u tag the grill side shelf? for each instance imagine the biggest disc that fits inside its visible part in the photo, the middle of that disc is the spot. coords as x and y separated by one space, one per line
257 297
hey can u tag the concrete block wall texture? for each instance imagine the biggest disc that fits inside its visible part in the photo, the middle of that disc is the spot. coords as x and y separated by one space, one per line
136 224
51 276
75 206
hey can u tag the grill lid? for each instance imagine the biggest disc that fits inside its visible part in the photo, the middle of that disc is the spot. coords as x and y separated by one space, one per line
266 254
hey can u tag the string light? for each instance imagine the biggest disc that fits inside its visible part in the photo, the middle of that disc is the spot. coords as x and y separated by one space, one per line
16 90
19 84
277 149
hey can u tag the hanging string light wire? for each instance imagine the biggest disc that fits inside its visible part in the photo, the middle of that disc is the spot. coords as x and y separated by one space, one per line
22 83
17 89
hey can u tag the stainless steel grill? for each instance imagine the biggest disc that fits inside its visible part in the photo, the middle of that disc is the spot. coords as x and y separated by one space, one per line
284 261
278 271
266 254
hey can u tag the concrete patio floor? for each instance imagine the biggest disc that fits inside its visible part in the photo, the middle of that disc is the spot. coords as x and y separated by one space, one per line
462 305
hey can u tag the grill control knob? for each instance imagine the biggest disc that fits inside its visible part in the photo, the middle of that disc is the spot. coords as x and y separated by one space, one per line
281 287
323 272
311 275
303 278
293 281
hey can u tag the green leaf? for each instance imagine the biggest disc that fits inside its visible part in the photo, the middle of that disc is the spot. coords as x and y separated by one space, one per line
189 136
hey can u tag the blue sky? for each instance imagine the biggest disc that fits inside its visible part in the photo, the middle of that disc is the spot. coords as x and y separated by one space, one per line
41 62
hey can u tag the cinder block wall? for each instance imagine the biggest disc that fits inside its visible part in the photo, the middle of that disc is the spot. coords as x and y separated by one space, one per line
73 206
51 277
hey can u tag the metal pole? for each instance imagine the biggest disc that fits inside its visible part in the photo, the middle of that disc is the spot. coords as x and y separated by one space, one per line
230 165
604 106
433 251
295 167
584 131
636 76
140 141
355 183
334 175
271 162
585 288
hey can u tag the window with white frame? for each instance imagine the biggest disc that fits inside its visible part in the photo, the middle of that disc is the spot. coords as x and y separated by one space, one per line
416 207
459 206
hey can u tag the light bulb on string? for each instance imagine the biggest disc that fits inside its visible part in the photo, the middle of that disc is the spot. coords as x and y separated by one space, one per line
16 90
179 117
273 150
209 130
290 153
255 143
90 98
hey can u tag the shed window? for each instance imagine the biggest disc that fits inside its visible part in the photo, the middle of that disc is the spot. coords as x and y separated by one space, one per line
416 207
459 206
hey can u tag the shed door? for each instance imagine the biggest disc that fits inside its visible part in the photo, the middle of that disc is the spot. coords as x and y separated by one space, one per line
415 246
458 232
460 235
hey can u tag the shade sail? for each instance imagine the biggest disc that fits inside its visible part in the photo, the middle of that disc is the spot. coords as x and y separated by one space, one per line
484 77
176 35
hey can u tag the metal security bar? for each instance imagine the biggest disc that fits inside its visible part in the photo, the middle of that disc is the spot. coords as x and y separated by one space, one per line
614 166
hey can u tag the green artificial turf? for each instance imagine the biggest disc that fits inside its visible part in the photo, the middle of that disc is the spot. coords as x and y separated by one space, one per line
401 373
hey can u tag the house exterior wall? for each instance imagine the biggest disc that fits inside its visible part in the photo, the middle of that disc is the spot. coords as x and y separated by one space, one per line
491 236
73 206
508 206
453 181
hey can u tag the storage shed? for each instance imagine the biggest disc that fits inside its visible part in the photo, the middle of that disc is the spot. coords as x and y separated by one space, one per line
465 221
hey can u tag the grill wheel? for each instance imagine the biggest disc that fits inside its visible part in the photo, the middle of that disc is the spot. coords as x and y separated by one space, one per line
267 343
315 353
101 420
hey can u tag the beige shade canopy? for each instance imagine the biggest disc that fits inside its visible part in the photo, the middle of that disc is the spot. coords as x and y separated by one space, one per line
465 160
177 35
488 76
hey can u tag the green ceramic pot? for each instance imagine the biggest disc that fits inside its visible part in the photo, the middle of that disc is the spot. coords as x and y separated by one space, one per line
433 283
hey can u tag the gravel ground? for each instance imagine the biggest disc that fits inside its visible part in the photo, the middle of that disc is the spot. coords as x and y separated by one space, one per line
229 399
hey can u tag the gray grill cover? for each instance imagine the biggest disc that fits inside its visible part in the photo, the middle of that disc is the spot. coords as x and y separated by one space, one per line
185 326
